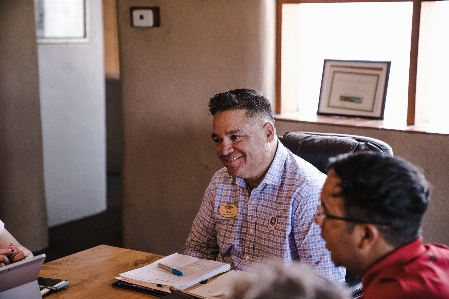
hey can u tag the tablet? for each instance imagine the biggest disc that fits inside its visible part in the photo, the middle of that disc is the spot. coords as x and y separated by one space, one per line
20 278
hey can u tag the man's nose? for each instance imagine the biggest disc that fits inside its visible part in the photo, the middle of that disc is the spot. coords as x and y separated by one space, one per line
225 148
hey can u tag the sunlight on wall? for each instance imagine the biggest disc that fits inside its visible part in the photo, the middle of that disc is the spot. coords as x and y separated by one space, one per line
313 32
348 31
432 90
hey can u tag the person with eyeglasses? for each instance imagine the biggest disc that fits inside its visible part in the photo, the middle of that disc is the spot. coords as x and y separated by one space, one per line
371 212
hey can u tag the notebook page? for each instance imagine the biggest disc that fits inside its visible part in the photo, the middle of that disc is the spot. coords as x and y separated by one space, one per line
220 287
194 269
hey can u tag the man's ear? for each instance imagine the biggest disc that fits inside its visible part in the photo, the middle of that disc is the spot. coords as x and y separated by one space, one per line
270 131
368 235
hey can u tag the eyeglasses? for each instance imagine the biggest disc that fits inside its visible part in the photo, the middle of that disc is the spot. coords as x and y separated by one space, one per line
321 216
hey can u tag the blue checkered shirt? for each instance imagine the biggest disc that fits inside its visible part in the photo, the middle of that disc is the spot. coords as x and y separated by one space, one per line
274 220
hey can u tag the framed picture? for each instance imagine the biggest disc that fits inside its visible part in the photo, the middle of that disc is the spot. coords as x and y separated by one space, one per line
354 88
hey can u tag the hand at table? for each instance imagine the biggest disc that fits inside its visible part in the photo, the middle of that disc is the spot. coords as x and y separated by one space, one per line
13 255
5 254
21 253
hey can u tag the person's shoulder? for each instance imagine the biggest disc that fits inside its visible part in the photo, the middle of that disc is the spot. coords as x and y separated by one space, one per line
420 277
396 293
298 166
221 172
302 176
222 176
439 256
441 248
391 282
404 290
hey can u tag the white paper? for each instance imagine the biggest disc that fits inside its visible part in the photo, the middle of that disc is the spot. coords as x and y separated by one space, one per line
220 287
194 269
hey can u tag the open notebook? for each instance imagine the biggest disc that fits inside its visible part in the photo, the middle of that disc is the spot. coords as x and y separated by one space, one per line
217 288
195 271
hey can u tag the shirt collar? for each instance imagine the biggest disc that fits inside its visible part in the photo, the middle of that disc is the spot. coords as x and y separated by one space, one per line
399 256
277 165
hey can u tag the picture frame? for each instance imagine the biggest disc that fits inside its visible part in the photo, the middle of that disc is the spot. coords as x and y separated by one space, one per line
354 88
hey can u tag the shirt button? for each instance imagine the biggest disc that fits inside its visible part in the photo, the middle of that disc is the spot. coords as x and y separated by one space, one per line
246 257
251 230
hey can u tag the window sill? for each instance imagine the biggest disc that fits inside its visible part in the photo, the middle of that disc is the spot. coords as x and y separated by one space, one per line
360 122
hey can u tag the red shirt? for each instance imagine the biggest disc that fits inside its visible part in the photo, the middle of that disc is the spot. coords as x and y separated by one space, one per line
415 270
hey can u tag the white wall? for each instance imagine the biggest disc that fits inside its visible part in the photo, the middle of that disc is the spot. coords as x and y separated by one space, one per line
72 92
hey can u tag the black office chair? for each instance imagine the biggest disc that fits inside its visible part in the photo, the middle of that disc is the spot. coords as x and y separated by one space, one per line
317 148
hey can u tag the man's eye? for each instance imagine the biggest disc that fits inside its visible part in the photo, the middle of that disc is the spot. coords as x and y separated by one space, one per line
216 140
236 138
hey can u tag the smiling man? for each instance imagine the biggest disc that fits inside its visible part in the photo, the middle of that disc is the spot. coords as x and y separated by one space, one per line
371 212
261 205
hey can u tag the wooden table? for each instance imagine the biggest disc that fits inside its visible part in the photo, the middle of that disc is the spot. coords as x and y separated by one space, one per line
91 272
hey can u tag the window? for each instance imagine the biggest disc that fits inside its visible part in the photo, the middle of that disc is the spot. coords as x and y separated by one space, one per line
60 21
384 31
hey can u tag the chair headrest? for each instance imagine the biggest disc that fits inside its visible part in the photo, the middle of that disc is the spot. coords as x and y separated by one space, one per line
317 148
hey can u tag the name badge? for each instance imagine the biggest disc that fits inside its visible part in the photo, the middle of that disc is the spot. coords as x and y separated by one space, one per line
228 210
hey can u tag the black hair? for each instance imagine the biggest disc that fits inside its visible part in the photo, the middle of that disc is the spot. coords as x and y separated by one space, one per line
251 100
383 189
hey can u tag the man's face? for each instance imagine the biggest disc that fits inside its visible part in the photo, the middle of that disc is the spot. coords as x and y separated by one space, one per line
340 240
242 144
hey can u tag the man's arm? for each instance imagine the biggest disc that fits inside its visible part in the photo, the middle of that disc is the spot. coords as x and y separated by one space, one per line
307 237
202 240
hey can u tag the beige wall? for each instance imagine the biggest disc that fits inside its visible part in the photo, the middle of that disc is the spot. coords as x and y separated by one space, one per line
427 151
168 74
22 195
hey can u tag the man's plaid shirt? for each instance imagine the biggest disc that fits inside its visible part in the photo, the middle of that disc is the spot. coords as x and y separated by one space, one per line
274 220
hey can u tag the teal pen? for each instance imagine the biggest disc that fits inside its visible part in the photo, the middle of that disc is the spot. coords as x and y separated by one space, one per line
170 269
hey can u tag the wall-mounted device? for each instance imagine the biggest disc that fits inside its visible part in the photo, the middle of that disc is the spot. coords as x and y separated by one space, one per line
145 17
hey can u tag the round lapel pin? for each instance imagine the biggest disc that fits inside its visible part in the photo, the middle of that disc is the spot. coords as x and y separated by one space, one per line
272 221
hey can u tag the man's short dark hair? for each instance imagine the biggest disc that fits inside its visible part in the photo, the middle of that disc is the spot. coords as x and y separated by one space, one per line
249 99
383 189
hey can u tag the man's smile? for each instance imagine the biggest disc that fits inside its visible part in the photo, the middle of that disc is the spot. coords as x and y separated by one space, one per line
232 160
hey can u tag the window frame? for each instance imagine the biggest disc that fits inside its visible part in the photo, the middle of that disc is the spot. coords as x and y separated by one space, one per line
414 44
